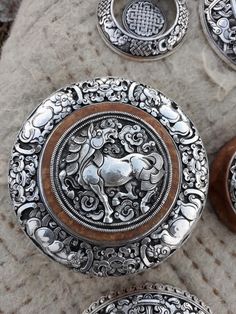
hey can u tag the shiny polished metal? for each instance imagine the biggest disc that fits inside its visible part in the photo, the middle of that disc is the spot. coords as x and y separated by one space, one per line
150 299
219 24
108 177
146 30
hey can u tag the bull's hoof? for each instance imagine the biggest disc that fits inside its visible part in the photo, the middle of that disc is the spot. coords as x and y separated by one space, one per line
115 202
108 220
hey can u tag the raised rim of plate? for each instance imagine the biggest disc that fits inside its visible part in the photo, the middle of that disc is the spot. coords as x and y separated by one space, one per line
160 290
98 258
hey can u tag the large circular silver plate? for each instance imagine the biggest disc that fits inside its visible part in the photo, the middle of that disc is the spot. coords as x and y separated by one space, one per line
108 177
150 299
144 31
219 24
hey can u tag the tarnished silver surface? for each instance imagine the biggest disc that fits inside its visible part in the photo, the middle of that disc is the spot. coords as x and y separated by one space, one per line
129 143
232 182
144 32
219 24
150 299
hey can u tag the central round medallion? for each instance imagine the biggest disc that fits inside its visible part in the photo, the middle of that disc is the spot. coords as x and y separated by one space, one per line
108 176
107 171
143 18
111 171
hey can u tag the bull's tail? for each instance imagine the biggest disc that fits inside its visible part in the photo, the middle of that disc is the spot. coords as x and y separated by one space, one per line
156 171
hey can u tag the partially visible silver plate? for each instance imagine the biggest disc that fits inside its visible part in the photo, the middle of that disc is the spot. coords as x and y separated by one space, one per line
218 19
150 299
145 31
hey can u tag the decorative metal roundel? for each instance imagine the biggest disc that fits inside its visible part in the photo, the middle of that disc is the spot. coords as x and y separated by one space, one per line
150 299
146 30
108 176
219 24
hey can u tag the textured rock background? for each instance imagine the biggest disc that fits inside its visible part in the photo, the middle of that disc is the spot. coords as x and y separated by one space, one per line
53 43
8 9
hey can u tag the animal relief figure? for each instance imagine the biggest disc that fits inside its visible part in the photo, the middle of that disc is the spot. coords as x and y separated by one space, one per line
90 165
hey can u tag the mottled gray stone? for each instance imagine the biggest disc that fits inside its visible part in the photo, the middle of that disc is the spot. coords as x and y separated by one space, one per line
54 43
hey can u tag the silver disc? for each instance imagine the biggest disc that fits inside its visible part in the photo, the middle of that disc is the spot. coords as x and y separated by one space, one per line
145 33
149 299
143 18
108 177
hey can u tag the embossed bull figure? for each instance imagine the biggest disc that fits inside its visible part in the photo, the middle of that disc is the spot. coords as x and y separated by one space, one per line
95 171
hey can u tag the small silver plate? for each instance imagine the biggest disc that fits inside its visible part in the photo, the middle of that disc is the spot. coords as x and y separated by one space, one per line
219 24
145 31
150 299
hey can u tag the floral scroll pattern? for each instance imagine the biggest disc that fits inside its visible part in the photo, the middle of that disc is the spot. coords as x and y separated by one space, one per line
72 251
139 164
219 18
152 299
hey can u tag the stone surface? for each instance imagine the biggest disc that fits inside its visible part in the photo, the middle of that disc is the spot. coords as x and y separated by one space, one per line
54 43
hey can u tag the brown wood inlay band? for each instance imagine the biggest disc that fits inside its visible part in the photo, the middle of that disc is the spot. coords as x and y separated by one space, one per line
78 228
219 189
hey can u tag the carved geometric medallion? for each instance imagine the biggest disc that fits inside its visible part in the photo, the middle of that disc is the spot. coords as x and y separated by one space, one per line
143 18
108 176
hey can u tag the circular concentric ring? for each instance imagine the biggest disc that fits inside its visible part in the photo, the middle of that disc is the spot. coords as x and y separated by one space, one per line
143 35
133 221
128 108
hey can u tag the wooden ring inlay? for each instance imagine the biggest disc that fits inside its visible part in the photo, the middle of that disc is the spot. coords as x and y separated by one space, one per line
74 226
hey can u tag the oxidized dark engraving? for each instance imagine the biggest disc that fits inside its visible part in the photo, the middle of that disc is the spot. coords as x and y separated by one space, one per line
143 32
113 170
51 236
219 21
150 299
143 18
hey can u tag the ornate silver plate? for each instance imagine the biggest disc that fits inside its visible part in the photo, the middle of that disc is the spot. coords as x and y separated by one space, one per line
219 24
108 177
223 184
150 299
145 29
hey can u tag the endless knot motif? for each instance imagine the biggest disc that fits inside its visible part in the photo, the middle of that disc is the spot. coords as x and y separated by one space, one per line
143 18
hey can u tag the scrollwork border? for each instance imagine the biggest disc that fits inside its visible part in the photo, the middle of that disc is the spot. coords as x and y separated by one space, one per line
147 251
146 49
161 290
